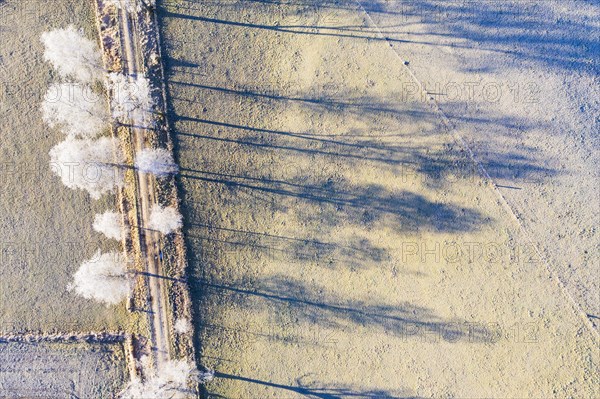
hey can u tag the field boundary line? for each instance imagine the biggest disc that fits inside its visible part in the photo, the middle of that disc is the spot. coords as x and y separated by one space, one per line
88 337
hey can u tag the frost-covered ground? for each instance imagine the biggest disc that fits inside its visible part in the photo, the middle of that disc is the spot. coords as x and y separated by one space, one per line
36 370
342 243
520 80
45 228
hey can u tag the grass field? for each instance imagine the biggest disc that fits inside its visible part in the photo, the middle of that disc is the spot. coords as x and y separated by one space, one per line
343 244
45 228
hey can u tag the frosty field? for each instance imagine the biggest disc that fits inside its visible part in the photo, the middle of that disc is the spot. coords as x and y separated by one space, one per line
45 227
60 370
343 241
369 199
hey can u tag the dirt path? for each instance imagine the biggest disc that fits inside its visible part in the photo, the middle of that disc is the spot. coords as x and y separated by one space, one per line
146 199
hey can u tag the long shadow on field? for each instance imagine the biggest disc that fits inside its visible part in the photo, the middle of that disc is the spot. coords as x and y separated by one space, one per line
561 42
515 165
313 391
373 155
298 30
312 307
355 253
299 6
387 142
394 116
241 172
527 30
361 205
327 98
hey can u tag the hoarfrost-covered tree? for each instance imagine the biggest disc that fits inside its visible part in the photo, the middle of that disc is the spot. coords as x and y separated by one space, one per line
170 381
182 326
131 98
72 54
165 220
133 5
109 224
74 108
91 165
129 5
158 161
102 278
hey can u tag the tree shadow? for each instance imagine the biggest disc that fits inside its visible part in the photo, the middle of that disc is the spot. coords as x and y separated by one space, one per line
381 144
299 10
490 25
314 306
354 253
315 390
276 174
392 148
529 31
344 202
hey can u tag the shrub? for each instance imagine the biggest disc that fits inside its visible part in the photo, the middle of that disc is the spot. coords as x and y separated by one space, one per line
165 220
183 326
170 381
129 5
157 161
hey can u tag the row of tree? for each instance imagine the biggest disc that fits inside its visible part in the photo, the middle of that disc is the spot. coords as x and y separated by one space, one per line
89 159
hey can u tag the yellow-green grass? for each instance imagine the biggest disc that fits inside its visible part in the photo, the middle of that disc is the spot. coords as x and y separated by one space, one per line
324 206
